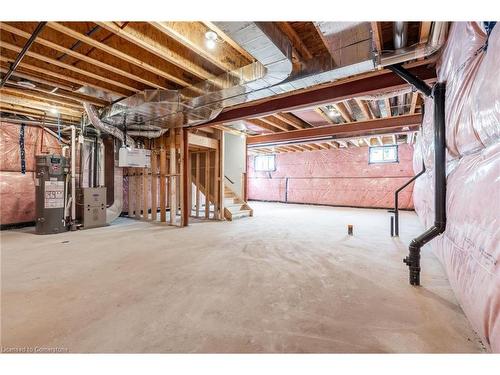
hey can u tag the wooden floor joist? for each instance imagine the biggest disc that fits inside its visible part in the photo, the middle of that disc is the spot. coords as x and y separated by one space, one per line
115 52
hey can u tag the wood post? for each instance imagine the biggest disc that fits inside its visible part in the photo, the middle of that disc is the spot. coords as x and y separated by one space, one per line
154 185
163 172
145 191
185 173
220 135
173 179
197 179
130 192
138 190
216 185
207 184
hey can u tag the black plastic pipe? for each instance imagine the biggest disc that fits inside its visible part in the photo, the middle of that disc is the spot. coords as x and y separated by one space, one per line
413 259
396 202
416 82
21 54
438 93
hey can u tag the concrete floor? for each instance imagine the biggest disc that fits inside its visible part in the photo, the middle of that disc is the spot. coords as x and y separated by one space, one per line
287 280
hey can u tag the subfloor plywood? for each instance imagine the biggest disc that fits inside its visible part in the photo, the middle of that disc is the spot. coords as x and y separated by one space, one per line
287 280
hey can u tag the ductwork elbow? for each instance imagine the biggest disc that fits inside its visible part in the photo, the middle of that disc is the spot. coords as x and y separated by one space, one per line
91 112
437 37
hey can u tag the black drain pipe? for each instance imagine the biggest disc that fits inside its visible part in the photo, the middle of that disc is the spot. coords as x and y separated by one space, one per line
395 218
23 52
438 93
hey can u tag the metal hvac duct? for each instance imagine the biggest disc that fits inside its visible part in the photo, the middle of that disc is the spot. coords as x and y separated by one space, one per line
400 37
400 34
105 128
351 53
437 37
204 101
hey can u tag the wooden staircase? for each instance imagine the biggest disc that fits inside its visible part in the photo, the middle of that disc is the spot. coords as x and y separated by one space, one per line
234 206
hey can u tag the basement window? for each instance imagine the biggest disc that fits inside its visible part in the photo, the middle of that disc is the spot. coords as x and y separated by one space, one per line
383 154
265 163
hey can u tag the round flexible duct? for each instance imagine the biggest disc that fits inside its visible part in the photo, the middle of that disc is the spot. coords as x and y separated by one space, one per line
109 129
113 211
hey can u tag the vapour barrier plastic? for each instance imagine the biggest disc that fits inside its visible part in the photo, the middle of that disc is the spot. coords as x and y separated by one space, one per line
469 249
17 190
341 177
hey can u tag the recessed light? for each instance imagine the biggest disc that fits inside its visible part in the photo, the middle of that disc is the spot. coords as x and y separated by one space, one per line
54 110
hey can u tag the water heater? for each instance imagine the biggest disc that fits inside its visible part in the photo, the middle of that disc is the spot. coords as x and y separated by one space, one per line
50 185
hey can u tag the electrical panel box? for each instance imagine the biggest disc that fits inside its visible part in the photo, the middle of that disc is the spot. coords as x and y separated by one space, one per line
135 157
91 204
50 193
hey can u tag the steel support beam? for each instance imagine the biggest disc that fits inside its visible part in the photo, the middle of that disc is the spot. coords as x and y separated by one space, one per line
385 81
352 129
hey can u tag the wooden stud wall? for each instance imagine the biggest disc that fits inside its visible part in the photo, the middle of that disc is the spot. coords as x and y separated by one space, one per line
184 180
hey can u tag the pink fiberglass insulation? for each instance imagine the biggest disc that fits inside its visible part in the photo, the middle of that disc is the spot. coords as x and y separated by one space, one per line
339 177
17 190
17 197
469 249
311 117
10 156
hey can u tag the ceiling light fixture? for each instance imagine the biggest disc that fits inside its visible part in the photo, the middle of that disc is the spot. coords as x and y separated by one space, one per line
54 110
210 39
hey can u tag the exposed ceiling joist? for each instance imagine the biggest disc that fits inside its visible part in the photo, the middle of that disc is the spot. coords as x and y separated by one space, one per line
28 101
148 43
364 108
115 52
192 36
51 74
425 28
387 105
413 106
377 36
263 125
37 96
69 67
35 113
297 42
228 40
344 112
79 56
269 121
327 118
290 120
